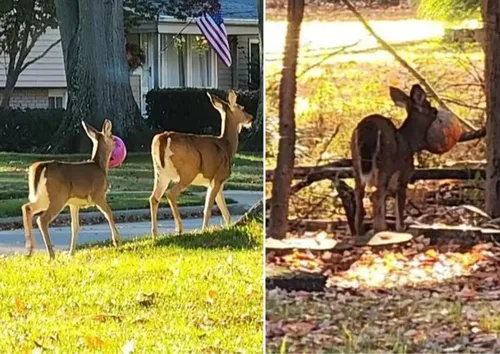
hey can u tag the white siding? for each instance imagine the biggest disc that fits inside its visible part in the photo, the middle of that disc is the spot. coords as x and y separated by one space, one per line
46 72
224 75
243 61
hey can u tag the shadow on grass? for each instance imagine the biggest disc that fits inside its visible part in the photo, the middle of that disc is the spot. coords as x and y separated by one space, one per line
238 238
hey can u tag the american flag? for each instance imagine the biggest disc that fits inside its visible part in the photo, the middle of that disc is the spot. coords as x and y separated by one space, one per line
212 27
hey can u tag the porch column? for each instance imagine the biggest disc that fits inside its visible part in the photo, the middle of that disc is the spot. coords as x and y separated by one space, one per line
234 66
155 62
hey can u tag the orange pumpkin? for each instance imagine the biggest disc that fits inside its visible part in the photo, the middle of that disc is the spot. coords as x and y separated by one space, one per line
443 133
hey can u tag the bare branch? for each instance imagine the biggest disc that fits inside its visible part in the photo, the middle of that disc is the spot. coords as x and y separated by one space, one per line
34 60
404 63
463 104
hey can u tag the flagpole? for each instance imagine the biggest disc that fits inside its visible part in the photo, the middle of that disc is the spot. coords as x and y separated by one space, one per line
175 37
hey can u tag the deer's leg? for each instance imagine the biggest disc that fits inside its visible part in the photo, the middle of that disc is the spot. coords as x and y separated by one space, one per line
212 192
379 223
75 227
221 203
400 207
30 209
360 210
160 186
104 208
172 194
43 221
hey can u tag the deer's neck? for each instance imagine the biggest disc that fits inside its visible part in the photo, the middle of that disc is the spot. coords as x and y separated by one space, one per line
413 132
231 134
101 158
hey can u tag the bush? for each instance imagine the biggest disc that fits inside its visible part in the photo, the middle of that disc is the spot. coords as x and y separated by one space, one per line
188 110
27 130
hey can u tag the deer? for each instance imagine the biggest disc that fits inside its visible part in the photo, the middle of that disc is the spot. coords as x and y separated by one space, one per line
200 160
382 155
53 185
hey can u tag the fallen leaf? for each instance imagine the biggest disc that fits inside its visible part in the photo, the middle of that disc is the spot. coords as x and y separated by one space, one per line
299 328
94 342
20 306
453 349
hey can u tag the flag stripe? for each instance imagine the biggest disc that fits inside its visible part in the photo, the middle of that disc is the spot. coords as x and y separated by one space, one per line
221 51
214 34
217 31
214 30
212 27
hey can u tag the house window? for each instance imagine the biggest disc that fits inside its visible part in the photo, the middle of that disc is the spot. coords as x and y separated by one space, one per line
56 102
57 98
174 61
187 61
253 64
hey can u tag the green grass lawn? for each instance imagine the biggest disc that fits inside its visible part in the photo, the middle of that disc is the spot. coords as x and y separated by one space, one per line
136 174
198 293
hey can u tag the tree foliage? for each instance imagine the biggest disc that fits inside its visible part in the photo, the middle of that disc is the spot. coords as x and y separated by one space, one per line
449 10
139 10
22 22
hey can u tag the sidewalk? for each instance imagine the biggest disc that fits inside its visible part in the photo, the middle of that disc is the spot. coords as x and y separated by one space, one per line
244 201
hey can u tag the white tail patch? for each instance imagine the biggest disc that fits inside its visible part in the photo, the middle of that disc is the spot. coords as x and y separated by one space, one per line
168 150
169 171
33 196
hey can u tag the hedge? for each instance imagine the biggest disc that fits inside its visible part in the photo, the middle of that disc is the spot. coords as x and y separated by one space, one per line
189 110
29 129
183 110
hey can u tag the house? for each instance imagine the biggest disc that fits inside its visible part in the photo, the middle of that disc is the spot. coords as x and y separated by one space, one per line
176 56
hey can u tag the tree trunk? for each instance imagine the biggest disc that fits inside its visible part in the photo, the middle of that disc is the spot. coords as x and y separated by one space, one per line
9 89
93 43
491 19
278 221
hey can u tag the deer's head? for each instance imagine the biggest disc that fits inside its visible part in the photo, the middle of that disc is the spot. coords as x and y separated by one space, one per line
102 141
421 114
232 111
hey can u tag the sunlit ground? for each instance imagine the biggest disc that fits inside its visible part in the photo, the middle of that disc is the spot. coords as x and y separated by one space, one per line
323 35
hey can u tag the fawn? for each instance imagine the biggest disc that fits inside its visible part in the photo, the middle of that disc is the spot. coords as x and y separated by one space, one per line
199 160
53 185
382 155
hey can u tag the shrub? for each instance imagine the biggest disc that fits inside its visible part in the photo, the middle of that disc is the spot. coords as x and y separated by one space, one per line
188 110
27 130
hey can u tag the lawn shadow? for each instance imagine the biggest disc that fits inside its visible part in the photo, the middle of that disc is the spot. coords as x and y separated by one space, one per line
238 238
227 237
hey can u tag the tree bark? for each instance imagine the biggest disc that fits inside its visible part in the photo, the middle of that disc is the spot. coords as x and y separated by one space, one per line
491 19
97 75
9 89
278 223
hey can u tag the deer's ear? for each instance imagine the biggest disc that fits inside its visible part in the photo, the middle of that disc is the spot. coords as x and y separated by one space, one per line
418 94
107 127
89 130
399 97
231 98
216 102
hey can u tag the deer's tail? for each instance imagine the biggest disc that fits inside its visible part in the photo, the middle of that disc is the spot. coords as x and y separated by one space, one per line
36 174
368 140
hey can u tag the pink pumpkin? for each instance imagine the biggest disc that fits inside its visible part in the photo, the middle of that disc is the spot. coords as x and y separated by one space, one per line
119 153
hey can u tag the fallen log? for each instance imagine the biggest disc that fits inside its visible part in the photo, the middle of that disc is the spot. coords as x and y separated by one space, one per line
318 173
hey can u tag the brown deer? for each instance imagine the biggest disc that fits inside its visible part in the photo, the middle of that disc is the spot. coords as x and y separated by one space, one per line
199 160
53 185
382 155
